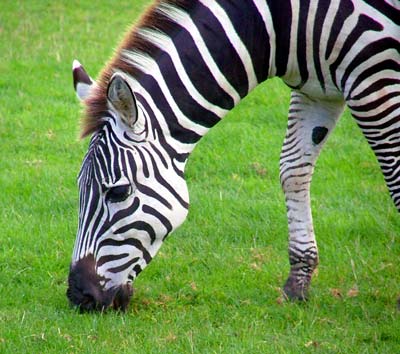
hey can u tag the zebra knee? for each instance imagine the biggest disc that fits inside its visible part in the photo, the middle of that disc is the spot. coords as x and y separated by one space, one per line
296 178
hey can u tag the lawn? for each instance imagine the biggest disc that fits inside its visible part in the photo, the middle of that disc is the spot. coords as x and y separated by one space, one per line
215 285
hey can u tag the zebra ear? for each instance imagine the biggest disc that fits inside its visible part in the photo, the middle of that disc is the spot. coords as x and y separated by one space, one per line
122 98
83 83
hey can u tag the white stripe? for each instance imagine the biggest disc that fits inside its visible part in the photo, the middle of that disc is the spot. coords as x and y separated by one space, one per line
265 13
85 238
175 144
149 66
103 177
166 44
184 20
235 40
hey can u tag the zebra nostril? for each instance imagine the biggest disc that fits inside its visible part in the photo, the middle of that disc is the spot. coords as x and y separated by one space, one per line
84 289
123 297
88 298
87 293
88 303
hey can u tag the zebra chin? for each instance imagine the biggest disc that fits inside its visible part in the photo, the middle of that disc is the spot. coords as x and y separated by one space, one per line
86 292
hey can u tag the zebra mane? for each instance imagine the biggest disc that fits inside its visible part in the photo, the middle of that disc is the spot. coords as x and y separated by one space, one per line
155 18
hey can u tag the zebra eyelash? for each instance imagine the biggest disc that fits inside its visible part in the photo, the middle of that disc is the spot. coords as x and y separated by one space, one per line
118 194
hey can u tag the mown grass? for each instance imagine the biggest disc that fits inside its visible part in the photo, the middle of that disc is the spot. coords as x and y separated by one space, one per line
215 286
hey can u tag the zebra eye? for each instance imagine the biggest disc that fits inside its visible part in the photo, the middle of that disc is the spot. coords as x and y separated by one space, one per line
119 193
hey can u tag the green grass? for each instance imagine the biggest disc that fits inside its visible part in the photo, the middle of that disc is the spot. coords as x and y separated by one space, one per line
214 288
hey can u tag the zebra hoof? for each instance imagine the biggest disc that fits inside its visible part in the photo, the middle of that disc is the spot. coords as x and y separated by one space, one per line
296 289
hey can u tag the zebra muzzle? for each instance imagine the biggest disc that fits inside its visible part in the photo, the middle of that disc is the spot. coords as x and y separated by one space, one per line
86 293
123 297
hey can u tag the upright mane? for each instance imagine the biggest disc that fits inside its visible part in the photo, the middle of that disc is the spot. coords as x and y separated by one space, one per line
153 18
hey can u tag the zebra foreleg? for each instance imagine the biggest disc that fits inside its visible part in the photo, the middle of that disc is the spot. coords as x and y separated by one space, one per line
309 125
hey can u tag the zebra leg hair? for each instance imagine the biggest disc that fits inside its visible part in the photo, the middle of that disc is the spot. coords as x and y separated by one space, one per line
377 112
381 128
309 124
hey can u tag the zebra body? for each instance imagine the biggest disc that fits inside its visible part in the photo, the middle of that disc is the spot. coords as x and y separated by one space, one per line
177 73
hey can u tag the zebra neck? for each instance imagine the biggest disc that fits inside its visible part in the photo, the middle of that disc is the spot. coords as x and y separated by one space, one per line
196 69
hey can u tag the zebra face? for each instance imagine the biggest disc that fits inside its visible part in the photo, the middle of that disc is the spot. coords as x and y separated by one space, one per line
131 197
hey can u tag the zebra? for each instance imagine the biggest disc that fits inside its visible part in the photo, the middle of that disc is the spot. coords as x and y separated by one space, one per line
176 74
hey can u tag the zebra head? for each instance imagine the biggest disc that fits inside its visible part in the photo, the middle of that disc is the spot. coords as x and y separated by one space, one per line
131 194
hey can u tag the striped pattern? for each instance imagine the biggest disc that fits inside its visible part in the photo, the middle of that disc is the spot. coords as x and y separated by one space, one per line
157 201
188 63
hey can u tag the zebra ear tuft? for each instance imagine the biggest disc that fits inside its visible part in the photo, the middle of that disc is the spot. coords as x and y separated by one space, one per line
82 81
123 99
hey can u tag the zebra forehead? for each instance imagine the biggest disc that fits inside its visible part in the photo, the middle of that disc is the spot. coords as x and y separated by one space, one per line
98 164
96 104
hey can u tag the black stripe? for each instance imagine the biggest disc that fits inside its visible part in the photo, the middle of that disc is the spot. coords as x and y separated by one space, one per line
145 169
385 8
389 135
117 140
140 226
388 64
127 242
104 226
110 258
281 13
374 104
200 77
221 49
114 149
160 179
195 66
369 51
346 8
294 159
302 40
149 210
124 266
132 164
178 132
157 131
250 27
305 164
137 269
160 155
123 162
102 160
364 24
124 213
289 152
376 86
320 17
91 205
376 118
151 193
283 181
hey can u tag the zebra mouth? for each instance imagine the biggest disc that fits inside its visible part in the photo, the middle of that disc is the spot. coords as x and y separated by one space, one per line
122 297
85 292
117 299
